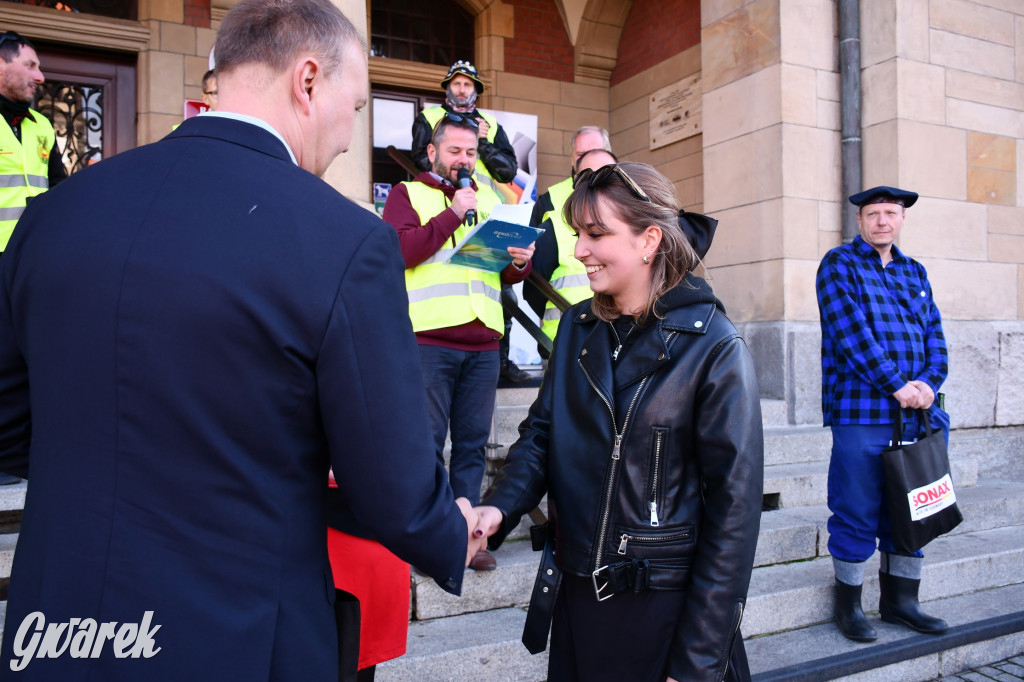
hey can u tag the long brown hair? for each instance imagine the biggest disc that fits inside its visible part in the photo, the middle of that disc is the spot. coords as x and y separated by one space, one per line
675 256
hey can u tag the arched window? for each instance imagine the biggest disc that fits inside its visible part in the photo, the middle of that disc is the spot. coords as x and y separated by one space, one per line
426 31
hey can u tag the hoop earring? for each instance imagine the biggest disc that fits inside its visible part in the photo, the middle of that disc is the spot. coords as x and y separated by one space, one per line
647 261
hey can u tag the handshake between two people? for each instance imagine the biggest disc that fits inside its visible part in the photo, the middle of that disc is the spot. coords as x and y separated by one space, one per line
481 523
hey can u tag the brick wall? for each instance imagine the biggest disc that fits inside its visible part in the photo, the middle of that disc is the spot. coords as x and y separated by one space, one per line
541 46
197 13
648 39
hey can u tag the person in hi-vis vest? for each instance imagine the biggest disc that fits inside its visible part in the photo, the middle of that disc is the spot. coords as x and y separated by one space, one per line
30 161
554 259
496 159
456 311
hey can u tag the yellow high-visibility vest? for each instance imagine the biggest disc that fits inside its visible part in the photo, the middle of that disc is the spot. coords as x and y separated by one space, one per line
444 295
570 277
482 176
24 168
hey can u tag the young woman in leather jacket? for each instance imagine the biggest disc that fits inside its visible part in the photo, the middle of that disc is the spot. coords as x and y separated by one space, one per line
646 436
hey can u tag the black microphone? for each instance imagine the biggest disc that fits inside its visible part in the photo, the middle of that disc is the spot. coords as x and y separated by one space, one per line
465 178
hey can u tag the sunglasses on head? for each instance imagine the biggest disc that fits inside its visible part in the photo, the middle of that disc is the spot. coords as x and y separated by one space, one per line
599 176
455 118
9 35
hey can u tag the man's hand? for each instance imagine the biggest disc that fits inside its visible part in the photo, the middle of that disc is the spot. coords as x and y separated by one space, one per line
463 200
484 128
908 396
927 395
521 256
475 540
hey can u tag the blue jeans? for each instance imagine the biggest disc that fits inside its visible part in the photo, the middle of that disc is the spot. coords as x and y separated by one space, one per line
856 495
460 395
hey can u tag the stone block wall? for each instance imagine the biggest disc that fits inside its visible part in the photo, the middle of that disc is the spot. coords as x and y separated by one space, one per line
944 116
629 125
172 67
771 151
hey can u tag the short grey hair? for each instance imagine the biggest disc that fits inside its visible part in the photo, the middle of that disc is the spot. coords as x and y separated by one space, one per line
274 32
605 140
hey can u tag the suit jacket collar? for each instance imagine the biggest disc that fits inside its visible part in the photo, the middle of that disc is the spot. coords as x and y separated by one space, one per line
234 131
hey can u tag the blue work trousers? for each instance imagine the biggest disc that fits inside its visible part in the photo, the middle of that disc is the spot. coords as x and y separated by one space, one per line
856 495
460 396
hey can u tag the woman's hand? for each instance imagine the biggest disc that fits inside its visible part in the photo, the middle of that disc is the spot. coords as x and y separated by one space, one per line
489 521
476 541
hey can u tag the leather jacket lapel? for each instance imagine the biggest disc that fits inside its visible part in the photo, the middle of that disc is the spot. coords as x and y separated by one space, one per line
596 356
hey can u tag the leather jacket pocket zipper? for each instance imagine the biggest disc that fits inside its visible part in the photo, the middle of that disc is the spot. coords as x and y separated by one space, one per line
652 497
626 538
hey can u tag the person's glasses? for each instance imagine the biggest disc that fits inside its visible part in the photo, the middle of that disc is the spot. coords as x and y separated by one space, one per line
9 35
596 177
456 118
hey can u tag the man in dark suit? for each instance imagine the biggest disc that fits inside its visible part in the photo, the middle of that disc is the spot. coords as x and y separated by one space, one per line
180 365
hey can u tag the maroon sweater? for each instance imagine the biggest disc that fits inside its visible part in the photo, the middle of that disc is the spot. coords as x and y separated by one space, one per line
421 241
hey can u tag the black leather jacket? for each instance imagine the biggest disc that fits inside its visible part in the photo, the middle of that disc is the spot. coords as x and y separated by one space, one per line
680 485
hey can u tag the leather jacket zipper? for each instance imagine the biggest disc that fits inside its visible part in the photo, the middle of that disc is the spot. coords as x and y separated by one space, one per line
626 538
613 469
655 470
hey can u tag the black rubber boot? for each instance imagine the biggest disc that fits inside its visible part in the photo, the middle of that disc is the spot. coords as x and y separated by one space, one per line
850 616
898 604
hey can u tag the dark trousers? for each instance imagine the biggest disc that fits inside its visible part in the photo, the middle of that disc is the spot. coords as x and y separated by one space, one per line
460 396
347 615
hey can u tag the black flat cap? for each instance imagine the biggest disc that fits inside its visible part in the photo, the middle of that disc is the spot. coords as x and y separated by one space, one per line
884 195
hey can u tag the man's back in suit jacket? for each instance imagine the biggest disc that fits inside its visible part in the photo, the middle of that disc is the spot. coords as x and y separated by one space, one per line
190 334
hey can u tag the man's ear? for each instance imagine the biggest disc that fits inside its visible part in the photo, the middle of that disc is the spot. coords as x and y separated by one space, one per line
306 76
431 153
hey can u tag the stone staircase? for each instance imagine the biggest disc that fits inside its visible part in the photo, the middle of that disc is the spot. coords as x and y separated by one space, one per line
973 575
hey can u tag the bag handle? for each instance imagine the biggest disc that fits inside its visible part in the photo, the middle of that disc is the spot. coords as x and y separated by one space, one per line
897 425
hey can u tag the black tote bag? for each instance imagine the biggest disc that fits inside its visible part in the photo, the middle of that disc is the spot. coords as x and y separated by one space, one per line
919 491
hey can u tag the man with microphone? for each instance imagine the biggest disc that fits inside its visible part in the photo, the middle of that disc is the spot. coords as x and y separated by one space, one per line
456 311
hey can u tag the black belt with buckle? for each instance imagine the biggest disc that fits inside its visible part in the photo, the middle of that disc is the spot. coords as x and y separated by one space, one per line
611 579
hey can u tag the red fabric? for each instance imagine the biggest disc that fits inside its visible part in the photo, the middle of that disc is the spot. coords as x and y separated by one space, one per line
380 581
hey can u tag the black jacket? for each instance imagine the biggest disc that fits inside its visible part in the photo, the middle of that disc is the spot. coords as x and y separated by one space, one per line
692 444
499 157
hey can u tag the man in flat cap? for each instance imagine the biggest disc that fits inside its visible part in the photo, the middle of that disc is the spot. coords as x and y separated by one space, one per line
882 350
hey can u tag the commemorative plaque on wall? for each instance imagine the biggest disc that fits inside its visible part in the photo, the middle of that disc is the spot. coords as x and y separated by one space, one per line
675 112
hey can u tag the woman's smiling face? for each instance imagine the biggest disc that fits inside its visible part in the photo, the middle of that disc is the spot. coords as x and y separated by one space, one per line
614 257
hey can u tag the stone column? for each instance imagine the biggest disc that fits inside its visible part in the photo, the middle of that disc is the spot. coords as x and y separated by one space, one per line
772 178
350 172
943 116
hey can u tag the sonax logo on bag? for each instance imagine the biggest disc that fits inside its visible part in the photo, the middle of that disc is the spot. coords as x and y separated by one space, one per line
81 638
932 498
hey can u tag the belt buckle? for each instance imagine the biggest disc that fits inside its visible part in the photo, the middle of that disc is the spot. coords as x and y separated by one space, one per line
598 589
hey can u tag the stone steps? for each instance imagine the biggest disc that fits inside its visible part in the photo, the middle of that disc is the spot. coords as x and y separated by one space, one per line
789 596
788 601
806 484
787 536
771 655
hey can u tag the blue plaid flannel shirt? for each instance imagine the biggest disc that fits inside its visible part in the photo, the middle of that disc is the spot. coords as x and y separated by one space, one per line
880 329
